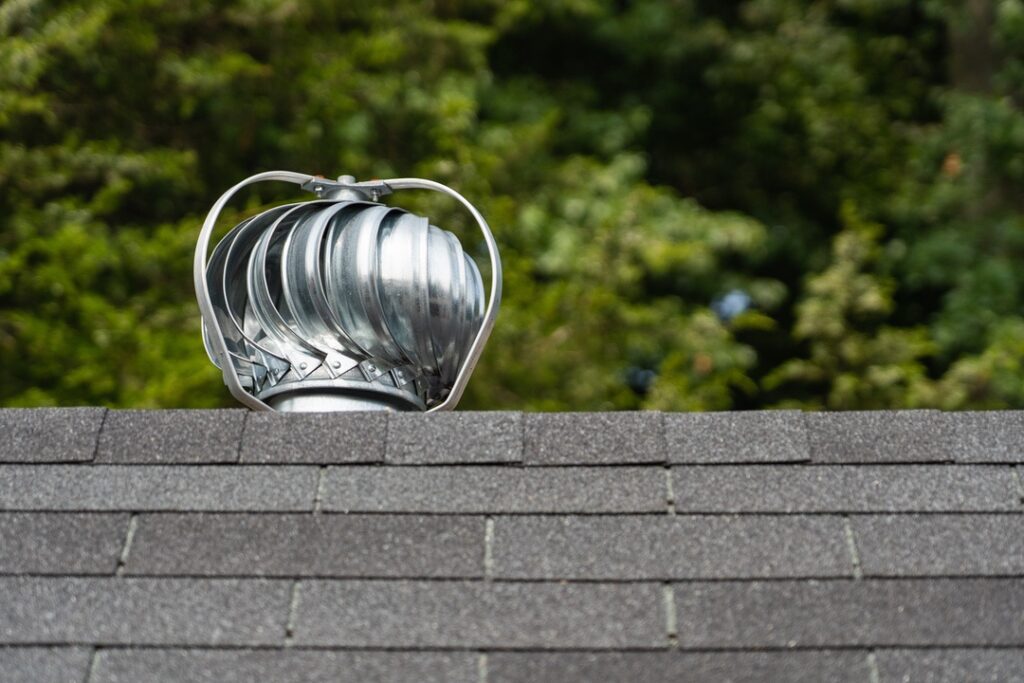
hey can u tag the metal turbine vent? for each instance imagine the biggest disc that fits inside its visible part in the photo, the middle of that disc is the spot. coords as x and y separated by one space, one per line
343 303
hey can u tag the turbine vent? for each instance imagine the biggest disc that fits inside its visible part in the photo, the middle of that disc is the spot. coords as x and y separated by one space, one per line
344 303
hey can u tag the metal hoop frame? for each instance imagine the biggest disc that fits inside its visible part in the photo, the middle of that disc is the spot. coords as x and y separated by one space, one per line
375 189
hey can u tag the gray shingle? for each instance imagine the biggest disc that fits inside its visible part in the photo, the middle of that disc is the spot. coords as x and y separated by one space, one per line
564 573
669 547
837 488
678 667
282 666
992 436
44 664
880 436
463 437
940 545
316 438
308 545
483 489
111 611
768 436
458 614
593 438
906 612
48 543
157 487
949 666
49 434
170 436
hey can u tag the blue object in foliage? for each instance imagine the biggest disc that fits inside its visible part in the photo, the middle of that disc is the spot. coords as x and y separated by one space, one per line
731 305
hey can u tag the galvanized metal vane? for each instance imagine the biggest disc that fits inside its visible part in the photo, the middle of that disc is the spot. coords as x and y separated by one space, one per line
344 303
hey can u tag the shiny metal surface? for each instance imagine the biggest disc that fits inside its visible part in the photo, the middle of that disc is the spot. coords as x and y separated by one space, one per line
337 303
301 402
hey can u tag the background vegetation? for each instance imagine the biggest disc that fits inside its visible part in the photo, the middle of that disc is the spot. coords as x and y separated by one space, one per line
702 205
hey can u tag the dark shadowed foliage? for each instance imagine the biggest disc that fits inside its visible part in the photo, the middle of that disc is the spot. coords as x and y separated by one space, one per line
701 205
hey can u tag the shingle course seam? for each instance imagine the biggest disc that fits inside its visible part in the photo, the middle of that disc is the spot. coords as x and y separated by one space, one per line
931 464
293 609
319 496
523 432
241 438
383 649
663 438
671 615
654 513
872 661
805 429
371 649
482 672
90 670
653 582
851 546
126 547
490 649
670 494
578 513
725 650
99 433
1015 471
541 466
647 581
489 548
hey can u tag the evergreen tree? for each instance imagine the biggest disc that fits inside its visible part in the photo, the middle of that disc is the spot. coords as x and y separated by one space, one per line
700 205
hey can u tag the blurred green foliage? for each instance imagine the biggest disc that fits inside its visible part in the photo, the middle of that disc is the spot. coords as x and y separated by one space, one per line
701 205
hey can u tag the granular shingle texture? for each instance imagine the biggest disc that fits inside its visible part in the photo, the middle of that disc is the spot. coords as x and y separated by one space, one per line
49 434
201 546
170 436
656 667
882 612
453 438
246 666
634 547
950 665
307 545
940 545
314 438
49 543
417 614
741 437
841 488
494 489
44 664
123 611
118 487
988 436
593 438
881 436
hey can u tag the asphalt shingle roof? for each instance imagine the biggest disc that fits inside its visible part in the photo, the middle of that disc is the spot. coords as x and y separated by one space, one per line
491 547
